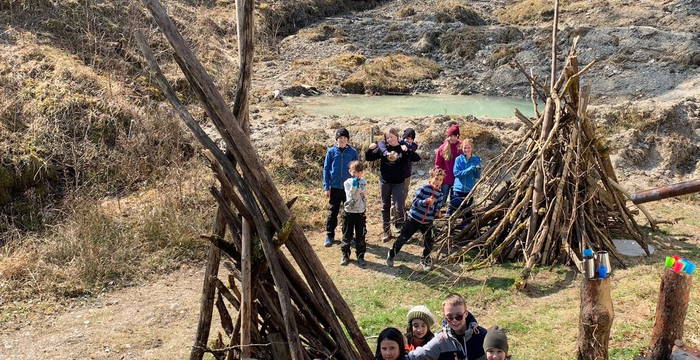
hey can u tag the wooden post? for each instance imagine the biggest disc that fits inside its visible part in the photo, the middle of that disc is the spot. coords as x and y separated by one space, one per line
246 291
595 320
670 313
244 17
207 305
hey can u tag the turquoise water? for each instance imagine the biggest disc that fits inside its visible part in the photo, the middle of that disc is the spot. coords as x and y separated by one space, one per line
414 105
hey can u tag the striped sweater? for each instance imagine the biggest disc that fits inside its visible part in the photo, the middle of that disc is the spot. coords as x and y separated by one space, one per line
420 210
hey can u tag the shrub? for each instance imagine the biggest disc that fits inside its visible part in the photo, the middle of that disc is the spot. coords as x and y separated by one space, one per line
391 74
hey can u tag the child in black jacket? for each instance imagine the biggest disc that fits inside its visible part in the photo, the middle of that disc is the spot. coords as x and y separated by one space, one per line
395 157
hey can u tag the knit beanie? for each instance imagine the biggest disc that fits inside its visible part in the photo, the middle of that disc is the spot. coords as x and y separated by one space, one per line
342 132
453 130
409 133
496 339
423 313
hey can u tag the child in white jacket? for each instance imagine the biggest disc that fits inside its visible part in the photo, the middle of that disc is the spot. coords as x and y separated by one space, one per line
355 221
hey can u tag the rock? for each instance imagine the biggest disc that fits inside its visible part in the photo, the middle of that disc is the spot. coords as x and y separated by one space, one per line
296 90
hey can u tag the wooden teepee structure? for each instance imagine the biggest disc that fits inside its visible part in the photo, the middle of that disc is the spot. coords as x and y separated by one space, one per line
288 308
551 193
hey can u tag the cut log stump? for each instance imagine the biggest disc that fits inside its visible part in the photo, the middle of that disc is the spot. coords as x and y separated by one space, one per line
670 313
595 319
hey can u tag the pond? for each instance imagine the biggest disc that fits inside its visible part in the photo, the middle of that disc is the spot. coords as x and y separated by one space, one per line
413 105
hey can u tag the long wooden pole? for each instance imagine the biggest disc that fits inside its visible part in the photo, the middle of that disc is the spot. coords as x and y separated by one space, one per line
555 25
246 291
244 15
206 306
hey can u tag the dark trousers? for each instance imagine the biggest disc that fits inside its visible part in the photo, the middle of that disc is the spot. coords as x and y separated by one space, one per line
446 190
457 198
336 199
355 223
409 228
393 193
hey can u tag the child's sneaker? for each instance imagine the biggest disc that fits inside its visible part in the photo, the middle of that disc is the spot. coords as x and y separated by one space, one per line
361 261
345 260
427 263
389 259
328 242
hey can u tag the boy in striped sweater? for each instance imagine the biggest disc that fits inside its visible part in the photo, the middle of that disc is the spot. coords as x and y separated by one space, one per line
424 209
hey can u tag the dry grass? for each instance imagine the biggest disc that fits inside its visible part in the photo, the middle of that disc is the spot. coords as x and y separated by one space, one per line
532 11
279 18
326 73
105 243
468 40
322 33
391 74
457 11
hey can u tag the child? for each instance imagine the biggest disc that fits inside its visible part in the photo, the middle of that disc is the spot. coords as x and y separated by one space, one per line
390 345
335 172
445 157
409 137
425 207
496 344
355 221
418 333
467 171
394 160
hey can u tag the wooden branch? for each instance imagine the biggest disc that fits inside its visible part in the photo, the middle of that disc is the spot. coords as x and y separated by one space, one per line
207 302
523 118
244 13
555 25
246 289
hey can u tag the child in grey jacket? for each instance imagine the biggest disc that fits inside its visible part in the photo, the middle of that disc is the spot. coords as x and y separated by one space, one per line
355 220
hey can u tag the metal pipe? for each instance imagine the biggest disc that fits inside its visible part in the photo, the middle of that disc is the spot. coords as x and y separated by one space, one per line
667 191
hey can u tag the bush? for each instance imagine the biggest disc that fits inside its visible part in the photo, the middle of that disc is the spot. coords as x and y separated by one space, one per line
455 11
391 74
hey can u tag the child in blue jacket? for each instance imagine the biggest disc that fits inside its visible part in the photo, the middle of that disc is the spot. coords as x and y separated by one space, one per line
335 172
467 171
425 207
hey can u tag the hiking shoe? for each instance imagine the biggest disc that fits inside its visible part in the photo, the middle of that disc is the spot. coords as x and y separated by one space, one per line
427 263
387 237
389 259
328 242
361 261
345 260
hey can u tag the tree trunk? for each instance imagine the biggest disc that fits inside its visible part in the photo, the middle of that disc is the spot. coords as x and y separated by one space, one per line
670 313
595 320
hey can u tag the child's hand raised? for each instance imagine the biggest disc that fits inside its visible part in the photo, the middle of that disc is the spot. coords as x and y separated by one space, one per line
404 148
372 146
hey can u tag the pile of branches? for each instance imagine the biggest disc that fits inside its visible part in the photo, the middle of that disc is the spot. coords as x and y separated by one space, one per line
553 192
287 308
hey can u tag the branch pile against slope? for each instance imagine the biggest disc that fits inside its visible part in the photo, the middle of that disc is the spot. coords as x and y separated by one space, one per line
293 315
551 193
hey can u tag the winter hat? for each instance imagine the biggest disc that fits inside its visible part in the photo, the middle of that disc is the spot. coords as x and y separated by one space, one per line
409 133
453 130
342 132
423 313
496 339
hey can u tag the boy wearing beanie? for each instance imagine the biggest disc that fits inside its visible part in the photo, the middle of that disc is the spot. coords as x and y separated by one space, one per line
336 170
496 344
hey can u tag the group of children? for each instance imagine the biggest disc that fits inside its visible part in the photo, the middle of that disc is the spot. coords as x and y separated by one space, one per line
454 175
460 338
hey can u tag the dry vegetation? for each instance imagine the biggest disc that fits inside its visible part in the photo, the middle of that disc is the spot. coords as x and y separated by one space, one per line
391 74
468 40
457 11
326 73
